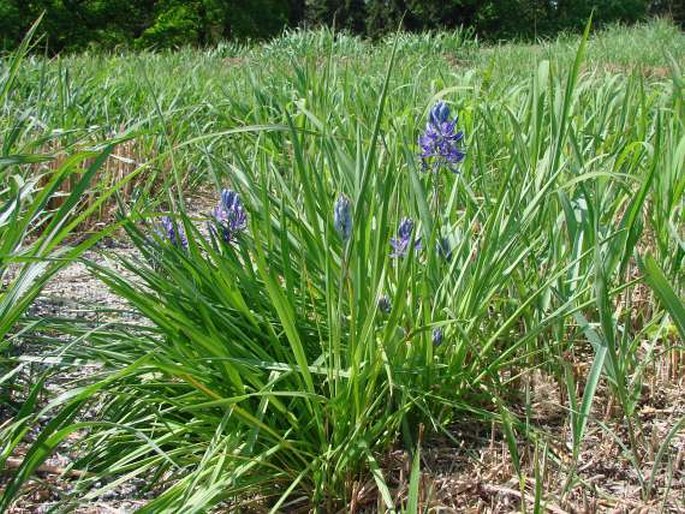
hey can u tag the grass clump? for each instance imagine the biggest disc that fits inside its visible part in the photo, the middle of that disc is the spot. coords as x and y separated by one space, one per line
373 269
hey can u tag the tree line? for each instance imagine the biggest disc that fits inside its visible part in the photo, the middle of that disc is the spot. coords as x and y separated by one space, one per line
79 24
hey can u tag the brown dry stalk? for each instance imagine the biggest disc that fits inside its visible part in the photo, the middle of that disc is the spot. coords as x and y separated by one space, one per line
498 489
14 463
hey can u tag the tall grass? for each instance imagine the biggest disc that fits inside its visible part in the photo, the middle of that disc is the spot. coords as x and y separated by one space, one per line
266 373
41 204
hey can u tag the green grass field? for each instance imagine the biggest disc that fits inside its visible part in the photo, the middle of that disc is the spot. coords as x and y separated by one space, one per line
523 350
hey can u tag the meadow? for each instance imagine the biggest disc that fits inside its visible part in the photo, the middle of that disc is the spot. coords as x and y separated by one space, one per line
418 275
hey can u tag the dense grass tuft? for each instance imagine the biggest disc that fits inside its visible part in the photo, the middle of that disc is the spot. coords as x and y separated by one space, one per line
277 366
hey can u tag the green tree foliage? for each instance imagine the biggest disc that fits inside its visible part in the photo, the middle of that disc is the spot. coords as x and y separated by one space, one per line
10 24
490 18
74 24
345 14
77 24
176 23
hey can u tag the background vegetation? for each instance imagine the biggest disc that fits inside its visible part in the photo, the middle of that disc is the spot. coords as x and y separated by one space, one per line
109 24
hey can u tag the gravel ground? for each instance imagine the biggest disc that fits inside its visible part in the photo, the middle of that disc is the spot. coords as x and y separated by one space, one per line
75 292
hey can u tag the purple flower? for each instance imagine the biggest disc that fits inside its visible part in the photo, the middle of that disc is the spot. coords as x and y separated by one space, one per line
400 244
342 217
441 141
172 232
437 336
230 216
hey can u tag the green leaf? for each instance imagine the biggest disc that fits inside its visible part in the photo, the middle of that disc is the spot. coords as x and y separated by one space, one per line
658 282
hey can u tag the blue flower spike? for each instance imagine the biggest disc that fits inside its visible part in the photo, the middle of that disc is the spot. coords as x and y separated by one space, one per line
172 232
444 248
437 337
230 216
342 217
400 244
441 142
384 304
